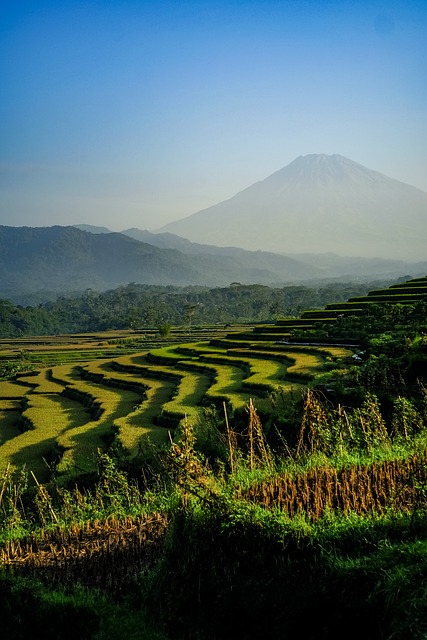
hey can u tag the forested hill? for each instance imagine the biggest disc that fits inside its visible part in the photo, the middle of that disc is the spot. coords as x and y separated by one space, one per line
69 259
139 306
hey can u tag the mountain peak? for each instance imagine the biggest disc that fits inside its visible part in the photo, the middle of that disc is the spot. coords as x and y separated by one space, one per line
318 203
327 170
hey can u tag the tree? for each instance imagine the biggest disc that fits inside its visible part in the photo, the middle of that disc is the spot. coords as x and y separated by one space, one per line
164 330
190 310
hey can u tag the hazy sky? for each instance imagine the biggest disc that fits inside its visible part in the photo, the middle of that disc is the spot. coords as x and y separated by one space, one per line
128 113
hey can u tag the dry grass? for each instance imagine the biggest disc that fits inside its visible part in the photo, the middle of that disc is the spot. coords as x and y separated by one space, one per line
361 489
107 555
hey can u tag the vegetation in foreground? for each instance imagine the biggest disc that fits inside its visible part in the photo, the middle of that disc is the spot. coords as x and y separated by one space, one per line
301 517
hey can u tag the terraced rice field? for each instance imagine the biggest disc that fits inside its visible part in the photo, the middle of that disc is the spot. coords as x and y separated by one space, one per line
58 416
91 390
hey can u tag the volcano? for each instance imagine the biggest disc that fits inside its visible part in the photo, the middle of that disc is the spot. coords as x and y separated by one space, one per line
318 204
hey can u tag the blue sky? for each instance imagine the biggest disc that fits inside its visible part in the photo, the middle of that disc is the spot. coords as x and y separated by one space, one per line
133 113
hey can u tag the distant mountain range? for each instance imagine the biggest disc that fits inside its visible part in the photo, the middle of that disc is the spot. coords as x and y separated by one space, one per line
326 265
67 259
70 259
318 204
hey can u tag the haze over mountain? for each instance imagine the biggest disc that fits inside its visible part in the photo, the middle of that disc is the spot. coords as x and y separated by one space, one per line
69 259
318 204
326 265
277 267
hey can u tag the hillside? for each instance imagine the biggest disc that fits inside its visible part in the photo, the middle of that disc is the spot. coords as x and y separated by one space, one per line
318 204
69 259
321 266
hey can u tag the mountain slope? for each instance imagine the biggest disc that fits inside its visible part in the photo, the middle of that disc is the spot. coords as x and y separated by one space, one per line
242 258
69 259
317 204
92 229
325 265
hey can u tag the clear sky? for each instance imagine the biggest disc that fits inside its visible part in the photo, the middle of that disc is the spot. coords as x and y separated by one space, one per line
133 113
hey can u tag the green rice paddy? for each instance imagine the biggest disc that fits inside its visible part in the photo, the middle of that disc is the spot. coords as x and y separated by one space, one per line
88 391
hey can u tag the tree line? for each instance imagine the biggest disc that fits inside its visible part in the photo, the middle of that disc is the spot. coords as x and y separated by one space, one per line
138 306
